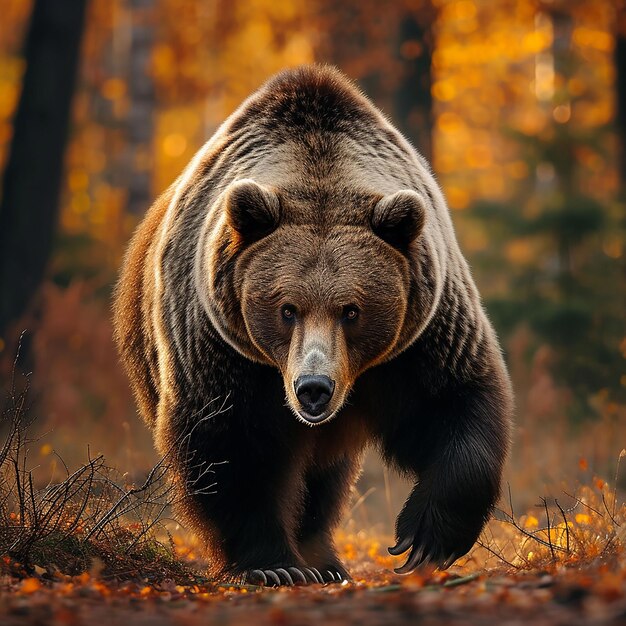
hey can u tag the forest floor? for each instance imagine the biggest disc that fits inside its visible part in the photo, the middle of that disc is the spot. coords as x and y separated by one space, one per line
582 593
91 549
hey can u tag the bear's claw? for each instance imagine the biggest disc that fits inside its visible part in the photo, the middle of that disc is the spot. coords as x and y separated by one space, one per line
297 575
313 574
401 546
285 576
416 558
281 577
273 577
335 575
290 576
257 577
419 555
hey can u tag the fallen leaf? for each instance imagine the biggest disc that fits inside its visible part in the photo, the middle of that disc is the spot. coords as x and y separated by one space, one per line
30 585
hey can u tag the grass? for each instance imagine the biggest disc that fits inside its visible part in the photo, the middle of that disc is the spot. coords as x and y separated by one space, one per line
585 524
88 520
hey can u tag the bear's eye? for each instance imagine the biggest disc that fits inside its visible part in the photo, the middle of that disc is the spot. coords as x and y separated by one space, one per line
350 313
288 312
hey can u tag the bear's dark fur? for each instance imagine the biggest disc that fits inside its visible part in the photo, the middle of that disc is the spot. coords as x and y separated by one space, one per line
304 267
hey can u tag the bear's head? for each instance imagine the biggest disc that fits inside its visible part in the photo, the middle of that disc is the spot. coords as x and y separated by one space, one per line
321 302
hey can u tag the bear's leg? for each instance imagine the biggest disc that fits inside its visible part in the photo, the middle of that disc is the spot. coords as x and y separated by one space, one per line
246 504
455 446
327 490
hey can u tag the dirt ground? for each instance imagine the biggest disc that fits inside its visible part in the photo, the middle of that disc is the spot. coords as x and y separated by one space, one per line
595 594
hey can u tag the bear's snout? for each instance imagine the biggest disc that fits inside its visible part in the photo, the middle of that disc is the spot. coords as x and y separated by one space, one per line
314 393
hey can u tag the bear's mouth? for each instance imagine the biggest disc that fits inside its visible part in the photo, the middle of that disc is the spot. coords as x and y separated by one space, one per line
314 420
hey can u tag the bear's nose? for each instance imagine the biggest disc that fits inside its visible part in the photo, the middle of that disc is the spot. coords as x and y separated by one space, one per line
314 393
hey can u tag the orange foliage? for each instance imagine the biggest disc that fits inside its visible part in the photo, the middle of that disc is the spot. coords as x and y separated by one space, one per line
492 69
550 586
82 393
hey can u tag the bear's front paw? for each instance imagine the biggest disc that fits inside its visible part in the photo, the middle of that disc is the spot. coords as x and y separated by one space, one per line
433 536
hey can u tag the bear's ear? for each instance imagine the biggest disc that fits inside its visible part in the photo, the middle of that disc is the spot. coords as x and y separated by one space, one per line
399 218
253 211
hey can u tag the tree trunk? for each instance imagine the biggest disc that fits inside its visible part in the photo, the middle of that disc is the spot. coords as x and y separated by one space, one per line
620 92
413 102
32 178
142 104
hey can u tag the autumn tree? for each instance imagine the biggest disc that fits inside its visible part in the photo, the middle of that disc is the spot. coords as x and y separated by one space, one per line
565 289
32 178
390 57
413 102
142 106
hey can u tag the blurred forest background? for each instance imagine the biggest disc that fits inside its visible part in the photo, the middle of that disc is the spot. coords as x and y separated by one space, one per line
519 104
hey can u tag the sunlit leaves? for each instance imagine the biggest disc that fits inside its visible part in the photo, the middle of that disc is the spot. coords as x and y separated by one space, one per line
207 57
502 74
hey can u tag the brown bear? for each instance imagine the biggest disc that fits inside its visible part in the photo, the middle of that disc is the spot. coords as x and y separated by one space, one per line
297 294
